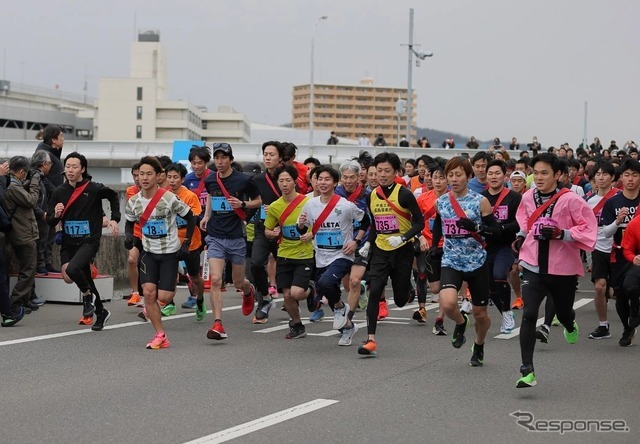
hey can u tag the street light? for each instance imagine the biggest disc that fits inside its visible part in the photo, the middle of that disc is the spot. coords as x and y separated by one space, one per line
421 55
313 38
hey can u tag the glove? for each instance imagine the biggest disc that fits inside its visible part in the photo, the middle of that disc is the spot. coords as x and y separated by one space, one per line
364 250
467 224
128 242
435 253
517 244
184 248
548 233
395 241
491 231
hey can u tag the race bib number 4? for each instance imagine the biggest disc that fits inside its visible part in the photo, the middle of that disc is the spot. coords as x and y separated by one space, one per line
386 224
220 204
77 228
331 240
540 224
155 229
451 230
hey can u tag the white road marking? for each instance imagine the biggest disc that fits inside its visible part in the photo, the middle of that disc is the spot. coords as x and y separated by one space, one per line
264 422
428 306
516 331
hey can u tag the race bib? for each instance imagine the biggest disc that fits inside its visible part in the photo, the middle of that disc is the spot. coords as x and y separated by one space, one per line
431 224
356 224
180 222
540 223
501 213
203 198
451 230
387 224
77 228
331 240
263 212
155 229
220 204
290 232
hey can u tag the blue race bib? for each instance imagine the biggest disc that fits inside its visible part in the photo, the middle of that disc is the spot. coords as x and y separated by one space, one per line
77 228
330 240
290 232
155 229
220 204
180 222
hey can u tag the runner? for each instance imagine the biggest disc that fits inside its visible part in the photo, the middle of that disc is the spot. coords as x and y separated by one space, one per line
500 255
294 264
134 254
78 205
518 180
396 221
330 218
554 225
463 215
479 164
156 209
631 284
231 193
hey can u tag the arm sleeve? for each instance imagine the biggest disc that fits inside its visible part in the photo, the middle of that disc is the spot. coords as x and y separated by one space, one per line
372 225
437 231
114 201
191 223
610 229
128 228
407 200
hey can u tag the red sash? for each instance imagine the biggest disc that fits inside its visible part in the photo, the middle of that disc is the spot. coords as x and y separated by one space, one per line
273 187
150 207
536 214
576 180
503 194
458 209
241 214
353 196
198 190
287 211
74 196
612 192
429 214
395 209
325 213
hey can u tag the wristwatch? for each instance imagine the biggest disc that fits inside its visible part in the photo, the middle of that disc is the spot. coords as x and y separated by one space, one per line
244 204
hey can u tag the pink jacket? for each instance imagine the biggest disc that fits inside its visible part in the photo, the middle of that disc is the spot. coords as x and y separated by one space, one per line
571 213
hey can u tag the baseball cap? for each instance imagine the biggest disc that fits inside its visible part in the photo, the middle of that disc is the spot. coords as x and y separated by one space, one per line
519 174
224 147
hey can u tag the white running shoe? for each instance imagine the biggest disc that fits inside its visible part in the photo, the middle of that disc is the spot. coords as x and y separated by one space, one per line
347 335
340 317
466 306
508 322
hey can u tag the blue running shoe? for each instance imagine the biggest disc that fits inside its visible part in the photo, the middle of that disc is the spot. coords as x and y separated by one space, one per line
317 315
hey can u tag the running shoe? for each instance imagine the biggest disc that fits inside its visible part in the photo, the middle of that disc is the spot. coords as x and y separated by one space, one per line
458 339
368 348
412 295
518 303
340 317
101 319
262 312
38 301
508 323
143 314
627 337
477 356
86 320
634 320
317 315
435 298
528 378
383 311
420 315
312 302
364 298
602 332
201 310
466 306
438 328
190 303
347 334
555 322
572 337
169 309
217 332
297 331
15 317
159 341
542 334
273 291
248 300
88 305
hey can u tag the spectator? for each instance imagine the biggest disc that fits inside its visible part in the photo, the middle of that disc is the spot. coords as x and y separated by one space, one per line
448 144
613 146
41 161
633 153
424 143
333 140
404 142
534 146
497 145
473 144
630 144
364 140
514 144
380 141
596 146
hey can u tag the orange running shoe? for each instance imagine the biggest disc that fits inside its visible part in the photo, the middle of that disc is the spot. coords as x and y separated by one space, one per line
159 341
135 299
383 310
94 270
368 348
517 304
86 320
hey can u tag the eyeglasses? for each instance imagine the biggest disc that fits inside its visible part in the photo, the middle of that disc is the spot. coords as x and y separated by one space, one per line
222 145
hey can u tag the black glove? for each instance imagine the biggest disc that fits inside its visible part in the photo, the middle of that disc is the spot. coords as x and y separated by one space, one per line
128 242
184 249
491 231
548 233
467 224
517 244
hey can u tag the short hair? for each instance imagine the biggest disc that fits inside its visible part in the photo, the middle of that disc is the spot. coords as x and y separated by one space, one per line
605 166
39 158
459 162
573 163
480 155
135 166
290 150
277 145
524 160
350 165
314 171
412 162
153 162
364 158
293 171
178 168
328 169
18 163
630 164
51 132
165 161
437 165
498 163
80 157
633 149
549 158
312 160
391 158
564 166
426 159
201 152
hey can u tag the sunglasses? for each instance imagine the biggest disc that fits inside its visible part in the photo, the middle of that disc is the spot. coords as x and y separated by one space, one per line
223 145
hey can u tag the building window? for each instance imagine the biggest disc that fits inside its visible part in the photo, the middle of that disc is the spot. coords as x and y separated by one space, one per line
139 93
139 112
139 132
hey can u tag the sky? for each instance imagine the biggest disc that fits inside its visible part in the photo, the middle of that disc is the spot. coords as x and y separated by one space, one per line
501 68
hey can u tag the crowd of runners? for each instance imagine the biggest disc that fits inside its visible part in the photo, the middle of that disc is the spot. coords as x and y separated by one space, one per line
463 233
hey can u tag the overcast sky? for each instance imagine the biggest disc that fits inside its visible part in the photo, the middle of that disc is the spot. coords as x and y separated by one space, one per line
500 67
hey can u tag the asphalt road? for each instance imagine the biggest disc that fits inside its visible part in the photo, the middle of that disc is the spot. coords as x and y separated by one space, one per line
64 383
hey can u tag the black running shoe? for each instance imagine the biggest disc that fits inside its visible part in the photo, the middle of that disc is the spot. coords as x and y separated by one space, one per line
602 332
477 357
101 319
88 305
627 337
296 332
312 303
458 339
14 317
